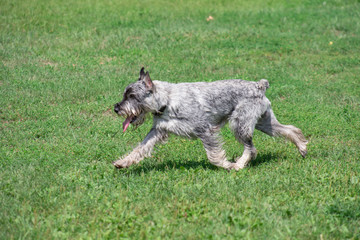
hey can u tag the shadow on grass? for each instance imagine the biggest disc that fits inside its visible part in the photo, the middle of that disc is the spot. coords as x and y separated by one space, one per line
148 166
172 164
266 158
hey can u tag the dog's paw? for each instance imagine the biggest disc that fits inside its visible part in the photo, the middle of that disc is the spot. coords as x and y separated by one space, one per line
233 166
238 165
303 153
121 163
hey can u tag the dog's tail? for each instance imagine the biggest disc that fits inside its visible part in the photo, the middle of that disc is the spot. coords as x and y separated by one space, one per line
263 84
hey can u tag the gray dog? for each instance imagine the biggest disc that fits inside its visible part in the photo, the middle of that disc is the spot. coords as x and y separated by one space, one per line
200 110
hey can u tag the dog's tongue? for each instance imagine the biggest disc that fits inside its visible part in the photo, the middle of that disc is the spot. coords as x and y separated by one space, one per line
126 123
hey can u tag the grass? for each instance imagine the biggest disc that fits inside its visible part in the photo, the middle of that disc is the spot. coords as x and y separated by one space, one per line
64 65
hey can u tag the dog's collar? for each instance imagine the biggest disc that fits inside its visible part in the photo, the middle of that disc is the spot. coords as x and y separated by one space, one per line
160 111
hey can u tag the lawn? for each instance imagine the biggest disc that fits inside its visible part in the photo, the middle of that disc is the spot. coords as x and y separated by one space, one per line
64 64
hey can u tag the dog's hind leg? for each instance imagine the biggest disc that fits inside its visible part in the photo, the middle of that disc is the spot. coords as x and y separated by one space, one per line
249 148
271 126
248 155
242 123
214 151
143 150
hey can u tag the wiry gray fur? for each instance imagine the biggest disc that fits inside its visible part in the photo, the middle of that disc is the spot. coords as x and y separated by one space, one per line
199 110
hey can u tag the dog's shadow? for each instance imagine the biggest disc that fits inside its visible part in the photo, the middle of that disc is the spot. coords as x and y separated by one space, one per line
267 158
147 165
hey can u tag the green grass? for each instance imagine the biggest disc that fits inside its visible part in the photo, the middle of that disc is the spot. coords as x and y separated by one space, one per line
65 63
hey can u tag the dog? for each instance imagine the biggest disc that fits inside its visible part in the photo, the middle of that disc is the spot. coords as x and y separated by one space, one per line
200 110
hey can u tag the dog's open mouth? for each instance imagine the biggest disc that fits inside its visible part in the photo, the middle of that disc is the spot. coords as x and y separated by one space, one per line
128 120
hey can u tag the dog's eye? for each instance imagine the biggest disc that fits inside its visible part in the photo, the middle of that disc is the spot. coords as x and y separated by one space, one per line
132 96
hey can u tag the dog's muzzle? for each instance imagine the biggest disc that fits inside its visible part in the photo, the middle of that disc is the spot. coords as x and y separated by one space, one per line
131 116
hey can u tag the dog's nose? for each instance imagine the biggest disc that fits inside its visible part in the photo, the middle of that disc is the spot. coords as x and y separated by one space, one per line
116 108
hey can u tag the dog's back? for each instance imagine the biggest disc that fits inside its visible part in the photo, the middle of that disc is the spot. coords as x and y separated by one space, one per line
213 102
233 87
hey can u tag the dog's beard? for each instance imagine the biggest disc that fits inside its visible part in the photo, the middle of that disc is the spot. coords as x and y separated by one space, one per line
132 115
136 120
139 120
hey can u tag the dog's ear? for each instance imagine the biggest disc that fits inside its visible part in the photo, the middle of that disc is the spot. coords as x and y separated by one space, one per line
142 74
147 81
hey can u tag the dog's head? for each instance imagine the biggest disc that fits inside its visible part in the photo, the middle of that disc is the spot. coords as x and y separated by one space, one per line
137 100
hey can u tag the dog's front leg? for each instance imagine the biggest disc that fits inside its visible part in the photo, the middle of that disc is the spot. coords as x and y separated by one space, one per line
143 150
